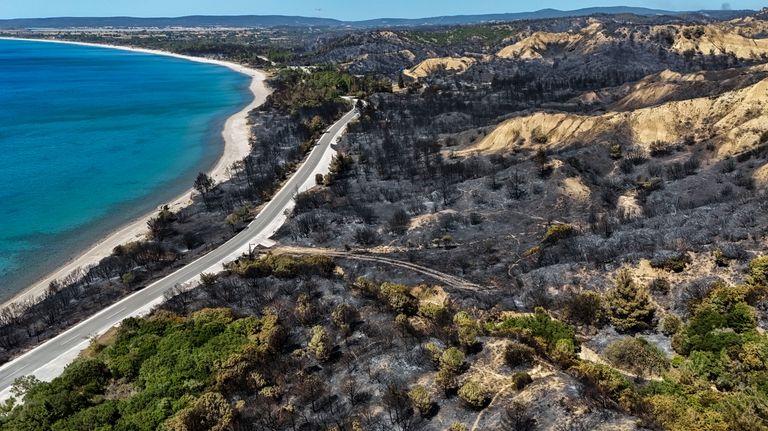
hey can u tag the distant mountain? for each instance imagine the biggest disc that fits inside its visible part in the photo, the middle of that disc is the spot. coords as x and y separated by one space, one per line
186 21
257 21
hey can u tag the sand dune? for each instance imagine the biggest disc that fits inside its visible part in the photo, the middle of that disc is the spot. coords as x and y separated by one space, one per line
720 40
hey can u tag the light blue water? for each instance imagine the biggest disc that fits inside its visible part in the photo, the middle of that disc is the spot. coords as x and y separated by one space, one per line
91 138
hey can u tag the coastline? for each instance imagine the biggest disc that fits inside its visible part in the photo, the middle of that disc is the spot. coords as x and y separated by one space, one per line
236 137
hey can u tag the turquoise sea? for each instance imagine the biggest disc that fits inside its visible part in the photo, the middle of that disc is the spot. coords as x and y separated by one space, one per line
91 138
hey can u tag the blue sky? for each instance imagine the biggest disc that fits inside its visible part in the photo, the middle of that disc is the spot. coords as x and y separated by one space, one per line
341 9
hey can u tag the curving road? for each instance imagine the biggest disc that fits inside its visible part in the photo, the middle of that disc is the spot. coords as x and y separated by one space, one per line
49 359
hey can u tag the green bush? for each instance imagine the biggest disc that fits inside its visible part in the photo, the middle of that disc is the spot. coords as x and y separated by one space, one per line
616 152
758 271
474 395
608 383
128 279
343 316
435 352
421 399
452 360
557 232
432 311
320 344
399 298
538 326
670 324
467 328
637 355
564 351
209 412
629 305
284 266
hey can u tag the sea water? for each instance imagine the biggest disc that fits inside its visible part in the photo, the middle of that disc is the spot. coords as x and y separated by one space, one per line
91 138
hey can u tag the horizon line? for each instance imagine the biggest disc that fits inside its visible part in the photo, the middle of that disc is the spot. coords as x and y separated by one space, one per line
368 19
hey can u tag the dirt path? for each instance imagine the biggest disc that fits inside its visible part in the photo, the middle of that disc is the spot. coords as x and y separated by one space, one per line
447 279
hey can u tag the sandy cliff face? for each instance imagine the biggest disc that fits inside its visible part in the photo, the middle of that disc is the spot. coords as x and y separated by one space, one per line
669 86
733 121
720 40
539 44
431 65
544 45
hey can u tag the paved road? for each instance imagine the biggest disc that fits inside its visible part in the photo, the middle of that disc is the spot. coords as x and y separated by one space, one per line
49 359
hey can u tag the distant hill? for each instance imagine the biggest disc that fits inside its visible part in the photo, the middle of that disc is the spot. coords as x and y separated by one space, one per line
256 21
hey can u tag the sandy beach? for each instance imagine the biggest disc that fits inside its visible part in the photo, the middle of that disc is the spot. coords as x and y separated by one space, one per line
236 136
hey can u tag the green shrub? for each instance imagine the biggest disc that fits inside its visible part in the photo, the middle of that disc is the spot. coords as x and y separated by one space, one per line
457 426
421 399
128 279
284 266
432 311
320 343
721 259
564 351
557 232
467 328
210 412
538 326
521 380
344 317
474 395
446 379
637 355
435 352
758 271
452 360
670 324
608 383
399 298
616 152
629 305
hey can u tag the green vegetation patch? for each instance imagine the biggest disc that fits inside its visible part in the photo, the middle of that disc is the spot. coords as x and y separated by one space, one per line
488 35
299 91
545 333
172 370
283 266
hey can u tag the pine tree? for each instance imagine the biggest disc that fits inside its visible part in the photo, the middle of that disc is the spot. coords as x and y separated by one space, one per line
630 305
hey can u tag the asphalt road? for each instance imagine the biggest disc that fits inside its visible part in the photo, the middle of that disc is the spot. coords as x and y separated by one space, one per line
48 360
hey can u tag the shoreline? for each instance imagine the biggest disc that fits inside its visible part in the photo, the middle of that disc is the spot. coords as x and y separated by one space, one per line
236 136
